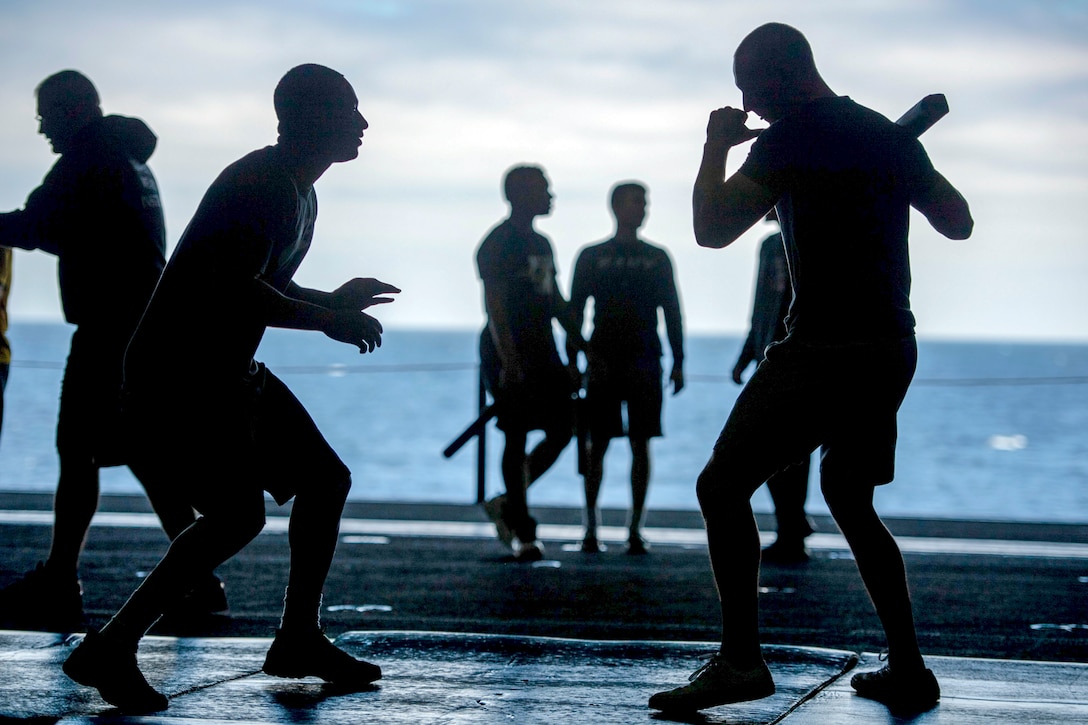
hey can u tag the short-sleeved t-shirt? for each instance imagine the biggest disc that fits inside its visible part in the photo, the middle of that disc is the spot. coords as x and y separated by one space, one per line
523 266
202 327
628 283
843 176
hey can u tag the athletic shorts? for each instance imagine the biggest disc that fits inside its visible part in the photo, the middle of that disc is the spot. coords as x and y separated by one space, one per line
89 419
612 383
254 435
542 401
801 397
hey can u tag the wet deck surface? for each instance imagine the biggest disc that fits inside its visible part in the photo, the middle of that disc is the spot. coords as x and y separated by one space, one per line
464 636
463 678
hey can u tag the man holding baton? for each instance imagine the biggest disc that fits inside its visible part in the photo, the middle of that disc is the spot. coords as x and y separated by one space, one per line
849 354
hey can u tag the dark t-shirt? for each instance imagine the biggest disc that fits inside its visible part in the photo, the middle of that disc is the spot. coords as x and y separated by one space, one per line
523 267
202 327
628 283
843 176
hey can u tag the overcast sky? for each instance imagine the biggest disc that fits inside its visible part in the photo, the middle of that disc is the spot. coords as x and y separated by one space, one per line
596 92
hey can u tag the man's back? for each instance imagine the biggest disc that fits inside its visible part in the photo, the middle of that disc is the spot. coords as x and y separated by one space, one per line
251 224
844 177
98 210
523 267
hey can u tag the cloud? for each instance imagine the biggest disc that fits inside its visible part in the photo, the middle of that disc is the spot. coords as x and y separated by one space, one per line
595 91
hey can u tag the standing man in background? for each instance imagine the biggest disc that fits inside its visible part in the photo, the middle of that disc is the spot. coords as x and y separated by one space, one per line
629 280
788 487
521 365
838 378
98 211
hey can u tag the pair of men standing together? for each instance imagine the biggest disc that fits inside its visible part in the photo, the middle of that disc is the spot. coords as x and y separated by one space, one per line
629 280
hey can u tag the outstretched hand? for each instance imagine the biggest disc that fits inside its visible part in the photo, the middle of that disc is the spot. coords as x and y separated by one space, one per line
726 127
360 293
355 328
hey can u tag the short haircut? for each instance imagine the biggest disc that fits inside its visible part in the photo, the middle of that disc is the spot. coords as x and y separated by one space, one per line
783 48
624 188
68 88
513 185
306 93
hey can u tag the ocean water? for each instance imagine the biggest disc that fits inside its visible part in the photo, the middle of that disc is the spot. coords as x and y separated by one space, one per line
988 431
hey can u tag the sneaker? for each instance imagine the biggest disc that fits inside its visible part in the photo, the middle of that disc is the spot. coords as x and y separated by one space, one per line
42 600
785 552
637 546
311 654
528 552
495 509
908 693
113 672
590 545
207 597
716 683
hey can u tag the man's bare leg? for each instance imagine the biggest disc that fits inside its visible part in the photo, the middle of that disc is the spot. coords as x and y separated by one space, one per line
640 485
591 482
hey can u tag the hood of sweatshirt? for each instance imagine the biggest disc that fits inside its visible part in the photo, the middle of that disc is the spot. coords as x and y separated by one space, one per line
130 136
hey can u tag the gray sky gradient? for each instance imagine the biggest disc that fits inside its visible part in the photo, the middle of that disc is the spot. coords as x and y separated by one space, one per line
596 92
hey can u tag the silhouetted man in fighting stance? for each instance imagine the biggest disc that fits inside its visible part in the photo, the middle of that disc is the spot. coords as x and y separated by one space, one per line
629 280
98 210
838 378
219 423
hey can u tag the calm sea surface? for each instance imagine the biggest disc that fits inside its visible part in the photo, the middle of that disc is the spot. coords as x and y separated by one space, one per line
988 431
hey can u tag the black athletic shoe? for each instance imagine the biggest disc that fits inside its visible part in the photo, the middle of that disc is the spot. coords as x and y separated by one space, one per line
207 597
785 552
43 600
528 552
913 692
637 546
311 654
113 672
716 683
590 545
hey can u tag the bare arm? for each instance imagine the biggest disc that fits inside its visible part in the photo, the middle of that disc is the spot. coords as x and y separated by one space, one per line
723 209
674 330
498 322
945 209
349 325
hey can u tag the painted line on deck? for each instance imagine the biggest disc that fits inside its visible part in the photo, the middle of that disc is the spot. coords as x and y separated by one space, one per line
608 534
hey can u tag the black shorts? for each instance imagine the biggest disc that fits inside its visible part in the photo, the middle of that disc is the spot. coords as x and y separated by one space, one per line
89 419
843 399
542 401
612 383
233 440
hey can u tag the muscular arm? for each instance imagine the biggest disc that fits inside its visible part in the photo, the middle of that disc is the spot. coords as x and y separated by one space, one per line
498 322
349 325
674 329
723 209
945 209
579 294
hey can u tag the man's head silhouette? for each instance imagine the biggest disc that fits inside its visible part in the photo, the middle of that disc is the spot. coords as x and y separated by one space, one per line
67 101
775 71
629 204
526 188
318 113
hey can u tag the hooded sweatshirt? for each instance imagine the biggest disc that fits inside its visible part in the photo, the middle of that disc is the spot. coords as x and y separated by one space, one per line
98 210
